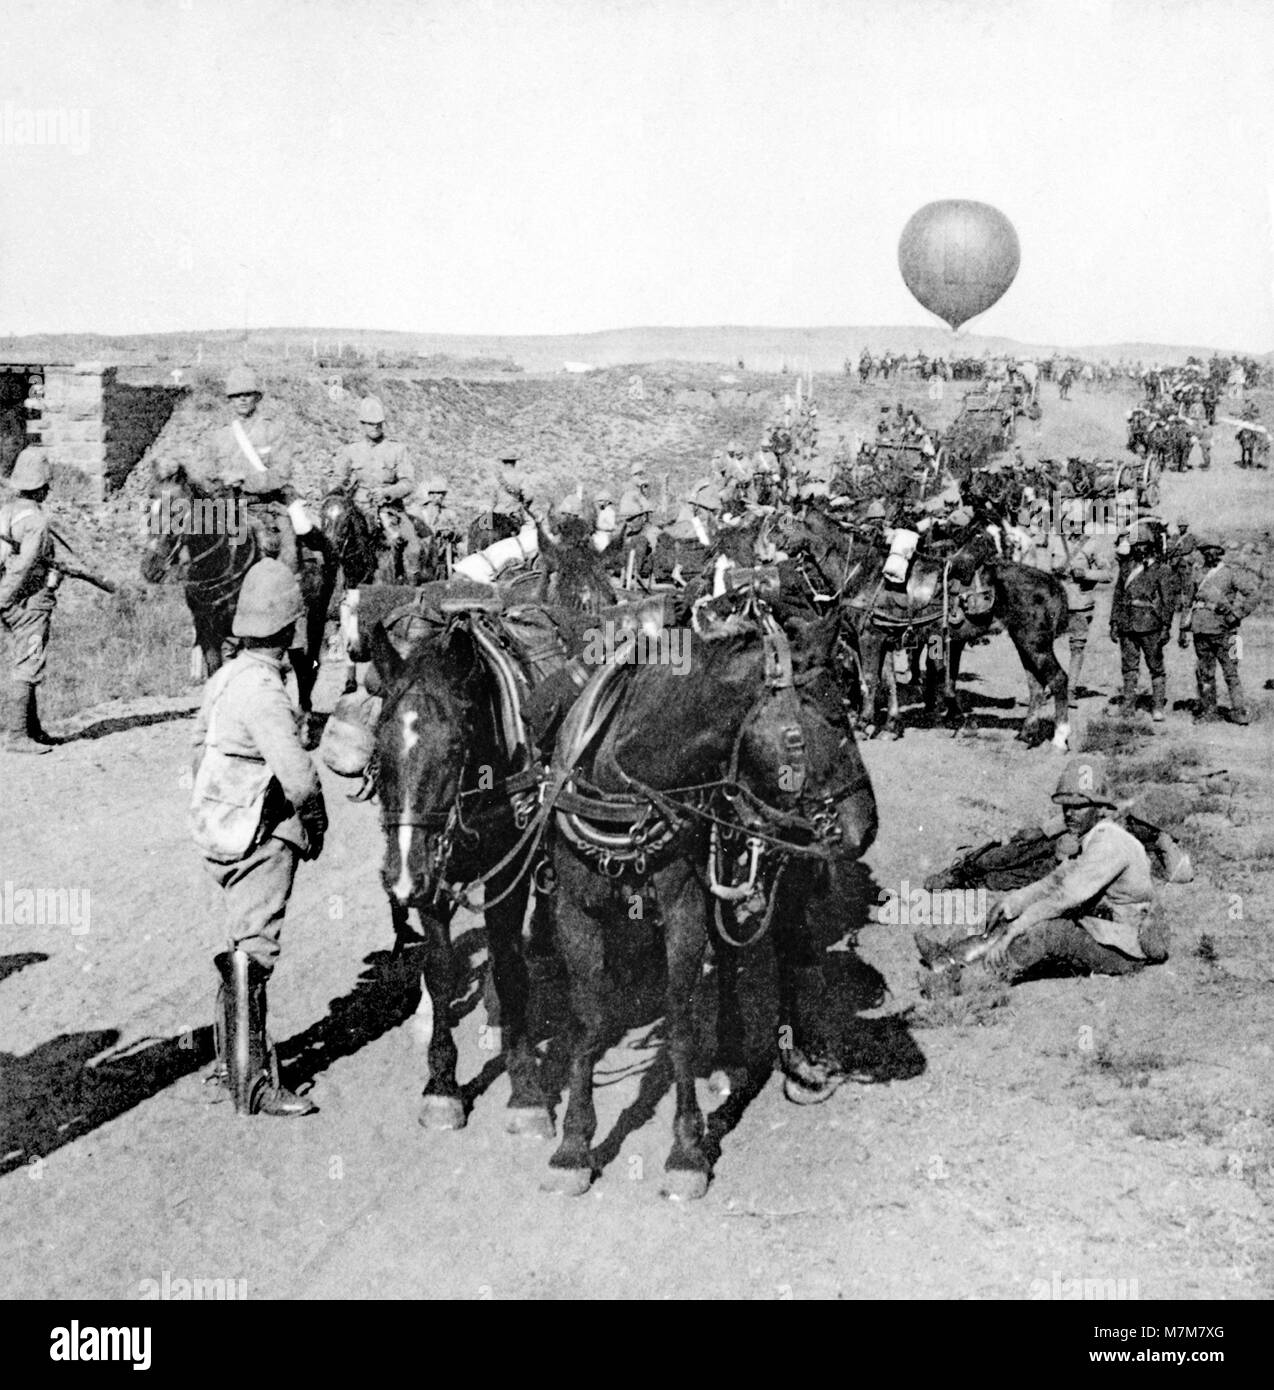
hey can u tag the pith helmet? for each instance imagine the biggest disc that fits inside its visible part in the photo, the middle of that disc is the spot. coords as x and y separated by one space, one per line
242 381
31 471
436 483
875 510
707 497
371 412
1084 783
269 601
1209 543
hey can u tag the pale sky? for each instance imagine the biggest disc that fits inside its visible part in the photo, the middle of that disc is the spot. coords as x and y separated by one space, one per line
544 166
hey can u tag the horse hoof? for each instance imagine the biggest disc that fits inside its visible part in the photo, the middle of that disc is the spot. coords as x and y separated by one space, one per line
684 1184
801 1094
529 1123
442 1112
567 1182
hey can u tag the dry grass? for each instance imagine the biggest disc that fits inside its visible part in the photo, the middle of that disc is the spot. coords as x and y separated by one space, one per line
134 644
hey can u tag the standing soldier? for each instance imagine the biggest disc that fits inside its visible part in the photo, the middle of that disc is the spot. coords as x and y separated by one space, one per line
511 496
257 807
1140 619
383 479
1219 599
253 454
1082 574
1180 555
28 585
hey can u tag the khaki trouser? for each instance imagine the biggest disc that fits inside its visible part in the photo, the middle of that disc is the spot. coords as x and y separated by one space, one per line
257 890
26 625
1211 649
1061 945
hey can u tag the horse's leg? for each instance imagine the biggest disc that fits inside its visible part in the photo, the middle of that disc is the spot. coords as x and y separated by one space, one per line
893 723
951 678
683 905
582 945
528 1104
1044 674
870 651
730 1073
442 1106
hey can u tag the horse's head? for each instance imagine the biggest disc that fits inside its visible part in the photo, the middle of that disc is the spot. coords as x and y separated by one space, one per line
426 741
796 754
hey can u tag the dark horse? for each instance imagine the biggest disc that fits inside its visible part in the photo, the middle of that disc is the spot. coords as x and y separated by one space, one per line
687 792
950 603
218 556
455 799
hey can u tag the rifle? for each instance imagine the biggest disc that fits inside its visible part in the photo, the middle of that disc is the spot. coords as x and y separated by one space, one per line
75 572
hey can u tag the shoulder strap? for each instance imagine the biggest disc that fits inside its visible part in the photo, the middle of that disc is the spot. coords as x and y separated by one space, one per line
246 447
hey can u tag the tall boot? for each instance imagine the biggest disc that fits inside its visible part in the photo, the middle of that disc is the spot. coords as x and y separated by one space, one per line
1127 702
34 730
1158 697
16 706
251 1063
1077 666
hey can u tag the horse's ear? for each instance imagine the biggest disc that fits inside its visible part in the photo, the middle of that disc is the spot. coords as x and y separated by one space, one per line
385 658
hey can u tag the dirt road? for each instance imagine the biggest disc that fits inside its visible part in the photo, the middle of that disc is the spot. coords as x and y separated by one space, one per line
1099 1129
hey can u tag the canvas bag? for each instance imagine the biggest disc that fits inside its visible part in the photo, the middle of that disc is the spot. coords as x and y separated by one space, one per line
227 802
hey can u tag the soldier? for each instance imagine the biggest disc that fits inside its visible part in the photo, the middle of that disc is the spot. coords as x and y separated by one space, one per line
512 498
1180 554
1090 915
634 546
1218 600
429 504
253 454
28 596
383 479
1081 575
257 807
1140 619
607 522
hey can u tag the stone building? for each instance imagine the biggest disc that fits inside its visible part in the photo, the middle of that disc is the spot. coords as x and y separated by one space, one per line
84 416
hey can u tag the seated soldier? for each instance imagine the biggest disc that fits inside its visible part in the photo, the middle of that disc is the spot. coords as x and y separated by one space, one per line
1090 914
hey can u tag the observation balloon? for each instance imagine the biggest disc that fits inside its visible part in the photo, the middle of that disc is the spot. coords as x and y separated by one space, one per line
958 257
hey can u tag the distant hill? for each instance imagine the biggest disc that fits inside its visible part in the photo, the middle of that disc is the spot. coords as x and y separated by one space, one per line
760 349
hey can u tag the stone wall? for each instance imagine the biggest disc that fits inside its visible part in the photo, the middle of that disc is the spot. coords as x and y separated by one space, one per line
91 422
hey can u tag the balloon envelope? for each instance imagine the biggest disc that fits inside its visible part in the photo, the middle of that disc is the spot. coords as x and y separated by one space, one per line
958 257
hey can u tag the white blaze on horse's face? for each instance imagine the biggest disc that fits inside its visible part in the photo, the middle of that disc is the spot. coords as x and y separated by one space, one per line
410 737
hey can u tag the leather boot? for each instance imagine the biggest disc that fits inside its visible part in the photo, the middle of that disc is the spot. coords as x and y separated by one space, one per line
251 1063
17 704
1127 702
1158 698
34 730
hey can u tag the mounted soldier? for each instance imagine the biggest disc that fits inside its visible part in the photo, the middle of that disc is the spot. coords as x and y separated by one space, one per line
28 596
428 504
252 455
382 479
1218 599
256 809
